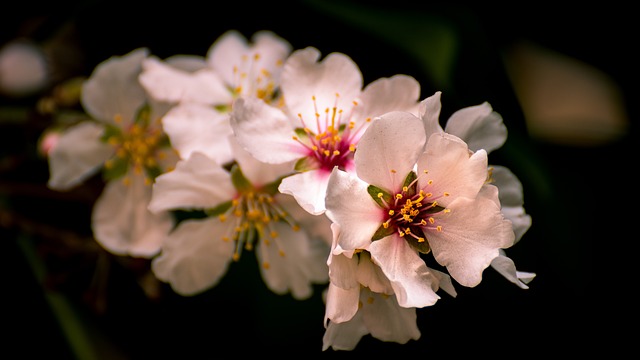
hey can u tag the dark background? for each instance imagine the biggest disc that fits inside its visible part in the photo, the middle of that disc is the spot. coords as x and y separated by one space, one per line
580 197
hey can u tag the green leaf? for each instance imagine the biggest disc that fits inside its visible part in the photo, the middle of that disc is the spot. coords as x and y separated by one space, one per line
240 182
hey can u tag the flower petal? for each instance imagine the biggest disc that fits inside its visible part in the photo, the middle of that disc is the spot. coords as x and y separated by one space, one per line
429 112
345 335
257 172
123 225
397 93
310 86
388 150
194 257
196 183
168 83
113 88
341 304
479 126
511 199
472 233
412 282
290 262
78 154
308 188
451 169
197 127
507 268
350 206
264 131
387 320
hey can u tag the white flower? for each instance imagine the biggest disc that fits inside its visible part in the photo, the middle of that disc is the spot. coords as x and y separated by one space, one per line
483 128
244 212
124 138
205 89
324 114
396 214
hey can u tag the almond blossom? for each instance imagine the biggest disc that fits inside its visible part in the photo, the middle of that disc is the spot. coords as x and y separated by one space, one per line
204 89
324 112
124 140
409 199
244 212
483 128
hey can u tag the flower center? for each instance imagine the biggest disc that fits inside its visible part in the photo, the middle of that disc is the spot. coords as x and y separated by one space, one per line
136 147
409 212
252 77
254 213
332 143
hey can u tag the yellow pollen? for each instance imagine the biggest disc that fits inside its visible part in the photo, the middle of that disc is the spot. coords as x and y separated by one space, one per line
380 195
126 181
405 189
431 220
447 211
273 234
266 265
225 239
326 152
398 196
222 217
420 239
236 257
391 212
296 227
439 228
430 182
393 171
355 103
281 253
147 181
336 152
446 193
117 118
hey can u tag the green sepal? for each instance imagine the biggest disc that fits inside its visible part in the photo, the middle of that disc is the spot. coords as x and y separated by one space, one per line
305 164
374 191
302 134
240 182
219 209
118 169
223 108
411 190
153 172
432 209
382 232
143 115
422 247
109 132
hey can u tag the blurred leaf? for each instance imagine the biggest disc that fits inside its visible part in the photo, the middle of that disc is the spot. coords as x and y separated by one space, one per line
426 37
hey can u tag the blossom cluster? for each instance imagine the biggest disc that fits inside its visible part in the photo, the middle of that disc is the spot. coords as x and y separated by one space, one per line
289 155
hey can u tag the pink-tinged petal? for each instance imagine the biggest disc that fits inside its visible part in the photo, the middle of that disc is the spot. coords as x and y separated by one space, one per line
196 127
387 320
225 55
123 225
451 169
507 268
257 172
79 154
345 335
291 263
511 199
189 63
264 131
341 304
308 188
479 126
397 93
168 83
412 282
343 271
196 183
388 150
194 257
371 275
350 206
472 233
335 81
429 112
444 282
113 89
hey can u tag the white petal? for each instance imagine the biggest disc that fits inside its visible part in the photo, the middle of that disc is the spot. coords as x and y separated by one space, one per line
451 169
386 320
372 276
308 188
410 278
507 268
341 304
350 206
196 127
336 81
388 150
78 154
196 183
479 126
194 258
113 88
511 199
168 83
472 233
258 173
397 93
190 63
264 131
429 112
123 225
346 335
294 265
